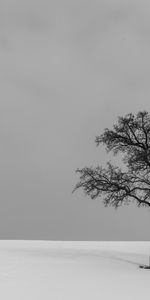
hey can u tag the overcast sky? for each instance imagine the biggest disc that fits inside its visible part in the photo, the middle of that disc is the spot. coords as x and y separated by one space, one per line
68 68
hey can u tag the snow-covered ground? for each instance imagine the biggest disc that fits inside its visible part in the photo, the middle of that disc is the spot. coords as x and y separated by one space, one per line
73 270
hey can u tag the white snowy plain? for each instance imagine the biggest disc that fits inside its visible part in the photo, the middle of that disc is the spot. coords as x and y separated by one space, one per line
64 270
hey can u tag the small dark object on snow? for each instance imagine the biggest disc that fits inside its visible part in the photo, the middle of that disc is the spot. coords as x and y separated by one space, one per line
144 267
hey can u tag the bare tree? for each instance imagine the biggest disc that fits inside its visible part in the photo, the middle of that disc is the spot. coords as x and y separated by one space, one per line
131 138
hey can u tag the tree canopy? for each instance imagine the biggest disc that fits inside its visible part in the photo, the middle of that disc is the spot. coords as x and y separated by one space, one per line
130 137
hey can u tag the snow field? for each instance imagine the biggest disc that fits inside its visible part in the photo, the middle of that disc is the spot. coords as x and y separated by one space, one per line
73 270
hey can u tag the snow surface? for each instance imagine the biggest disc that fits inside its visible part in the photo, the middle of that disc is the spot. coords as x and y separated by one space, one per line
73 270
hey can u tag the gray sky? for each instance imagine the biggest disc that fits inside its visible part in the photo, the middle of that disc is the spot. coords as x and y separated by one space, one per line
68 68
